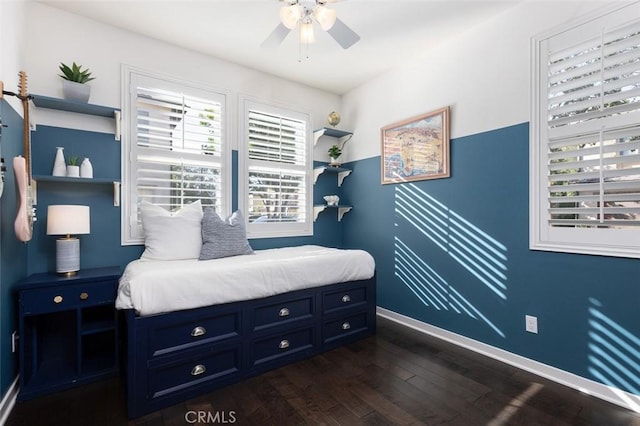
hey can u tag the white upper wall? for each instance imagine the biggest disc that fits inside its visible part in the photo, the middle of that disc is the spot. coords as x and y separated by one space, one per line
58 36
12 18
483 75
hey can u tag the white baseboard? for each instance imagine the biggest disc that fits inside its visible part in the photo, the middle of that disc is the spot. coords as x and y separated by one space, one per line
590 387
8 402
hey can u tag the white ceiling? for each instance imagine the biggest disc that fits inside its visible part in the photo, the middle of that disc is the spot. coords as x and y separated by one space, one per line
390 31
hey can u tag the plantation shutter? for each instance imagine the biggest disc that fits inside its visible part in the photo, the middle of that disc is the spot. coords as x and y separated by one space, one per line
593 128
177 148
277 167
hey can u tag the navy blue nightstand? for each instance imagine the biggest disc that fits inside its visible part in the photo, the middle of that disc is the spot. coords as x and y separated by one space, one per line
68 330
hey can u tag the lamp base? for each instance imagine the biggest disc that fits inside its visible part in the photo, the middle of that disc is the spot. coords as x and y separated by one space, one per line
67 255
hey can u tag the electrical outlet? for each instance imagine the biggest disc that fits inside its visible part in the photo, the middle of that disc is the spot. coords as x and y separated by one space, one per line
14 341
531 324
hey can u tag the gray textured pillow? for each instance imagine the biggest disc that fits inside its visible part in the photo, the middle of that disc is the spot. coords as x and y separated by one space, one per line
223 238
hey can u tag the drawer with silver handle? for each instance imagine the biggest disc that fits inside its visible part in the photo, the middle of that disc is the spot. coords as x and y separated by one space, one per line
281 345
166 378
341 327
194 332
348 298
281 311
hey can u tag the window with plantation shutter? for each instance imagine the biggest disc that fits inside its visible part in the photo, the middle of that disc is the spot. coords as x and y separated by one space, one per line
585 136
275 170
175 149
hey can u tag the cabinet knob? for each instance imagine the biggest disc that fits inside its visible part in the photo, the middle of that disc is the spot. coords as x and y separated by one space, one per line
284 312
198 331
346 298
284 344
84 296
346 325
198 369
57 299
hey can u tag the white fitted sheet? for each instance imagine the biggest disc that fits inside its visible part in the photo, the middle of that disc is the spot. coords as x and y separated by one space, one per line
152 287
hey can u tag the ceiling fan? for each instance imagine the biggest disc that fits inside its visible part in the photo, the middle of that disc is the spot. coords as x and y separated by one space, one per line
303 13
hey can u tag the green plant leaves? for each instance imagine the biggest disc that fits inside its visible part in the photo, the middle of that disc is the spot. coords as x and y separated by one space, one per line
75 73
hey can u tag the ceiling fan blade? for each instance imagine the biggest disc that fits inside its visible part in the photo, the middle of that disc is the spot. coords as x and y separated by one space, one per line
276 37
344 35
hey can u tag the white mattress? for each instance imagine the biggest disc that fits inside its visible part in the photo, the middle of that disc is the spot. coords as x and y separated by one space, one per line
152 287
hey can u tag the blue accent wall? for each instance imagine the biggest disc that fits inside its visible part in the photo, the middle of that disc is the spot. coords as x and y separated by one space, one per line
13 254
454 253
102 246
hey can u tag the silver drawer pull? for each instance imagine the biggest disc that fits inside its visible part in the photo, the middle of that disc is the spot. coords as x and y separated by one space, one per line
346 326
346 298
198 369
284 312
284 344
198 331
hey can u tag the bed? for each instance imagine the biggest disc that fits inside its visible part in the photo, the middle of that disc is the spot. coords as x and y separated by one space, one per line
194 326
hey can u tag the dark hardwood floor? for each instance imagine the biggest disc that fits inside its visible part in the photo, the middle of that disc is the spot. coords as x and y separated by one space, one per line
399 376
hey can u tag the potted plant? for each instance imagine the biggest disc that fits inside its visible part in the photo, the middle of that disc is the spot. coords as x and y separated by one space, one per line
73 169
74 84
334 152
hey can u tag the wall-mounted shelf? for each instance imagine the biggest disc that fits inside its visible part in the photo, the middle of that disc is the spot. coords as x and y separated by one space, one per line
95 181
80 108
317 209
340 171
73 106
342 135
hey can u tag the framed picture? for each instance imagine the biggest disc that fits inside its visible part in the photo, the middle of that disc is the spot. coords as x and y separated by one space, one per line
416 148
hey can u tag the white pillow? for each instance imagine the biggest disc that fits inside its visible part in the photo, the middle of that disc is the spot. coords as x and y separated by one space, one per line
170 236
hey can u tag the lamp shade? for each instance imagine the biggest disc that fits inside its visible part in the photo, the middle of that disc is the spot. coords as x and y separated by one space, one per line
306 33
68 219
326 17
289 15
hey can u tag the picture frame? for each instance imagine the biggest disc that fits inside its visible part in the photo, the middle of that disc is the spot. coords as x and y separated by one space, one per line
416 148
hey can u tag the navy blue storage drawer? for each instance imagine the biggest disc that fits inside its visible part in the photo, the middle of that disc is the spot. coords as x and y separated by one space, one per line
197 370
344 326
193 332
282 312
282 345
64 297
348 298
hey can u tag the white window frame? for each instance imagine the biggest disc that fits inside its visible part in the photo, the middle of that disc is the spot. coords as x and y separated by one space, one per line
130 230
543 236
283 229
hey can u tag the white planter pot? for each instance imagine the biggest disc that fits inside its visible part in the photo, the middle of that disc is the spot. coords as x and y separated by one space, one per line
73 171
76 91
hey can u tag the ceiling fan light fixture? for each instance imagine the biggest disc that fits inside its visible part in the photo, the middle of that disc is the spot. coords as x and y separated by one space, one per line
326 17
306 33
290 15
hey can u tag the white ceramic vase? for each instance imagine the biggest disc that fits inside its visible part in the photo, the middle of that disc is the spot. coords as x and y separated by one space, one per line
86 169
59 164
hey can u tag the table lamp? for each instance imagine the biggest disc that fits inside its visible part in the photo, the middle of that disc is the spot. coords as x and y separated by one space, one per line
67 220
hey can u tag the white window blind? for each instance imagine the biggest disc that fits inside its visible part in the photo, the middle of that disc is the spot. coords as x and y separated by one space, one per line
176 148
586 193
277 159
